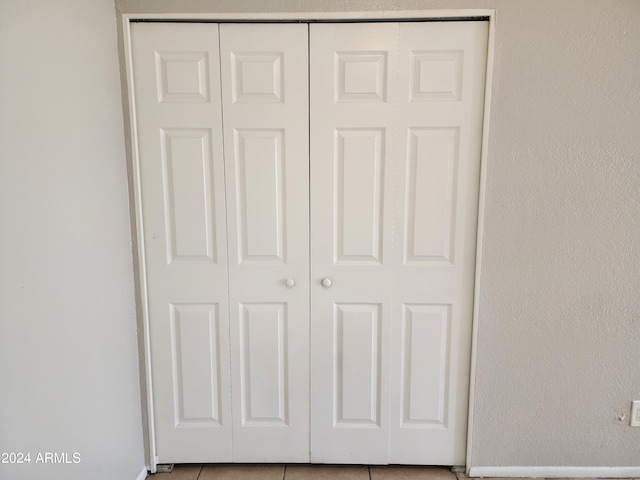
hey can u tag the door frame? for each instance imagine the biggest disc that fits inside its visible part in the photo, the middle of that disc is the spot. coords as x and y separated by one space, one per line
133 168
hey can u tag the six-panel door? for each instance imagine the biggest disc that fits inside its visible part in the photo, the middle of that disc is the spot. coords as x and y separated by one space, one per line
246 311
353 145
266 141
180 157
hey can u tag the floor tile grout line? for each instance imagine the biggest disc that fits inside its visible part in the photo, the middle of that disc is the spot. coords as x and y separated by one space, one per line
456 475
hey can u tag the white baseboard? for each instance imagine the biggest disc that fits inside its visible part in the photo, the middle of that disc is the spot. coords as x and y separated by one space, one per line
550 472
143 474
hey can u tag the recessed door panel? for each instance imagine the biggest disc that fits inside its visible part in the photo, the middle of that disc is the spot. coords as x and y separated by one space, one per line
257 77
263 370
435 75
430 209
196 368
357 372
259 167
359 187
189 208
361 76
425 362
183 76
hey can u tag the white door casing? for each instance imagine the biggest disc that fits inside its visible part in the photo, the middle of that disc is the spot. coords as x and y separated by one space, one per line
396 119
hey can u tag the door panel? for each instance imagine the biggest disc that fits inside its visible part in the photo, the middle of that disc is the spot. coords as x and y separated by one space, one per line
430 216
186 162
194 331
259 164
359 190
425 353
263 369
179 135
357 366
353 106
265 101
441 91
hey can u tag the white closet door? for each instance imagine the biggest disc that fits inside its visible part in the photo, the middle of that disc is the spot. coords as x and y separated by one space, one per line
179 125
441 85
353 143
396 111
265 103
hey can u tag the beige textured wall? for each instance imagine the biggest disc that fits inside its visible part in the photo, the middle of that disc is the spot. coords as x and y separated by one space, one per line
559 337
558 354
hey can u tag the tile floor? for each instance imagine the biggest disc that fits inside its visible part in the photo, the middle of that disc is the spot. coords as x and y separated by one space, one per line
304 472
317 472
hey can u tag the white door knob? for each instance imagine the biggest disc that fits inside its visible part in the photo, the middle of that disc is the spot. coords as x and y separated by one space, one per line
326 282
290 282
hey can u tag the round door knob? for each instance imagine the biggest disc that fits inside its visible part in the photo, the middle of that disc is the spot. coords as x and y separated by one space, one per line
290 282
326 282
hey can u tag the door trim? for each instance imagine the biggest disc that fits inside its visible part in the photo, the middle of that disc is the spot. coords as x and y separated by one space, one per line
484 146
133 167
304 17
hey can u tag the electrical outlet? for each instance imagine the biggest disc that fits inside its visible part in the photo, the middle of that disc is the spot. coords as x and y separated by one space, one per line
635 413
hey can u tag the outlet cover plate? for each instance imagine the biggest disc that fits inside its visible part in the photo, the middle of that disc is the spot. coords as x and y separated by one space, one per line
635 413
